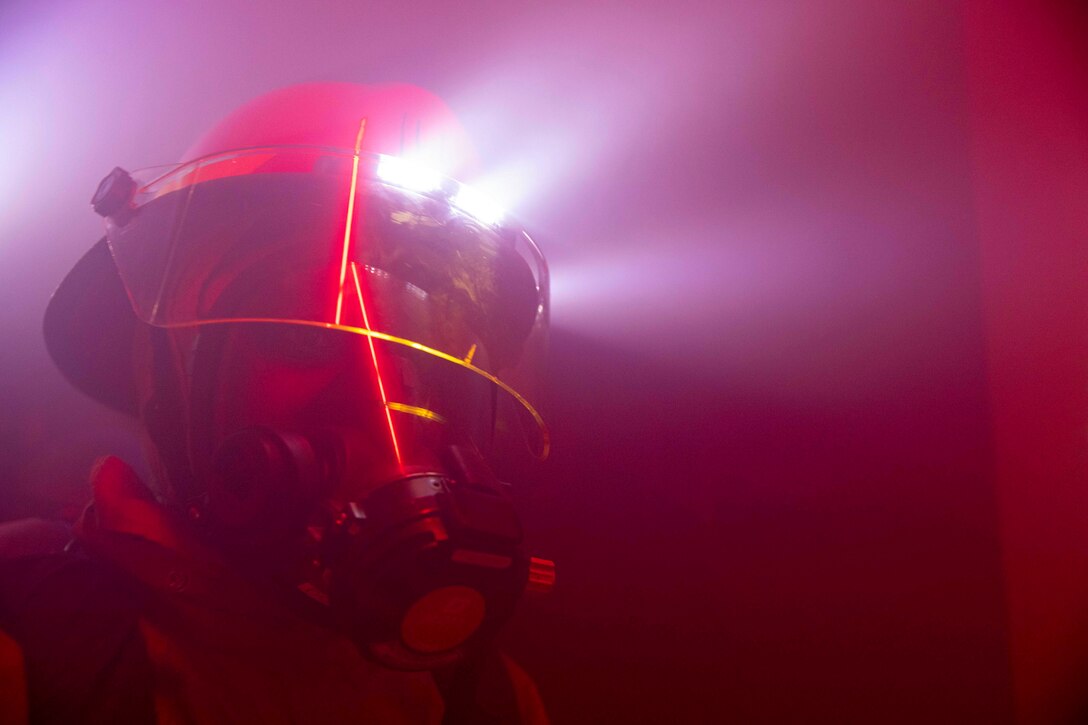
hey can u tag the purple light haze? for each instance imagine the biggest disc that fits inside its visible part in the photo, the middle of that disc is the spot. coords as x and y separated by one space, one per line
773 496
577 111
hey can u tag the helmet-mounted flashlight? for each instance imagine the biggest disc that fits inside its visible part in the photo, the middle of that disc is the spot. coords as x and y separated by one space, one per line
114 193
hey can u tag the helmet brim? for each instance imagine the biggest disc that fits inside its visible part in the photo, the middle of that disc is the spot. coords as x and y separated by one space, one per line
89 327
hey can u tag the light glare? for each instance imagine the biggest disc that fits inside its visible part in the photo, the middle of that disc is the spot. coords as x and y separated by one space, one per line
478 205
407 174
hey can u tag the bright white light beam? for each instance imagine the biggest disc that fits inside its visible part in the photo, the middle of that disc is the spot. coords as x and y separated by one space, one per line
478 205
408 174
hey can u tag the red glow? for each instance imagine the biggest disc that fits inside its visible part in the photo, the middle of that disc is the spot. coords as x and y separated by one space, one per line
348 224
377 372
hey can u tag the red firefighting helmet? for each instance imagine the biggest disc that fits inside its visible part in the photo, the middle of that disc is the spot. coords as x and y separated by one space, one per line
321 206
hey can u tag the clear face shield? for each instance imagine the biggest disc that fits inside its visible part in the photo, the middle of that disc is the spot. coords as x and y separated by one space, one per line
377 297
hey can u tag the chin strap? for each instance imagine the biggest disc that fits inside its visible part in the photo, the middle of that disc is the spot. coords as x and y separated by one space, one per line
164 418
125 525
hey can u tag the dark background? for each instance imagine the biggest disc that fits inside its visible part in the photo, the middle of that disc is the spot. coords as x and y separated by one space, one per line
819 384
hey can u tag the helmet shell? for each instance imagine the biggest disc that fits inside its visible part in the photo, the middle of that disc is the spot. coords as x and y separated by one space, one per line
89 323
401 120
